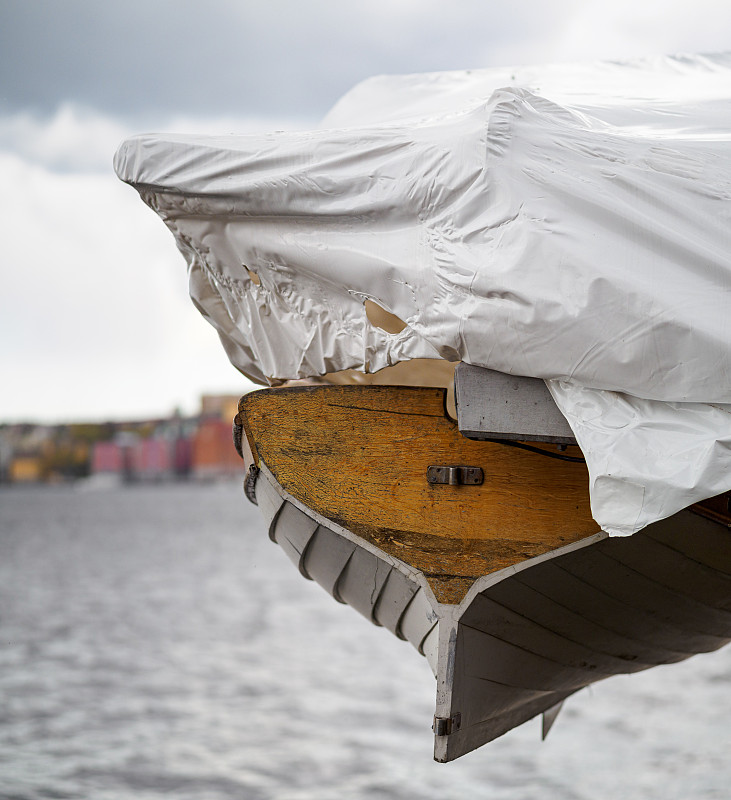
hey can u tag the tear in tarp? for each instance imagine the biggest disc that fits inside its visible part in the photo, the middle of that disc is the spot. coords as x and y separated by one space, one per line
570 223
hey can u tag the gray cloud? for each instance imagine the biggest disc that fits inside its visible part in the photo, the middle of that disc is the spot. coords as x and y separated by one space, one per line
93 302
271 58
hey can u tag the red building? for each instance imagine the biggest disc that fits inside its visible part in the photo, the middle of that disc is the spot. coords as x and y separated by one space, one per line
213 451
152 459
107 457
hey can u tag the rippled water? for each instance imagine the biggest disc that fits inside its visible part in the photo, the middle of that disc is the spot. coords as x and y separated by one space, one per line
154 643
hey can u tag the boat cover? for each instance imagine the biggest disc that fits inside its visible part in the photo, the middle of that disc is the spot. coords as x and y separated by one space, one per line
568 222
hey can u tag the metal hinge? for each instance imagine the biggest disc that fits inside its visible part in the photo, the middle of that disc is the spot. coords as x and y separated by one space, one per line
443 726
455 475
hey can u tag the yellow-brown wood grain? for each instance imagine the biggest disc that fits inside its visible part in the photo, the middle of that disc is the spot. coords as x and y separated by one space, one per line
358 455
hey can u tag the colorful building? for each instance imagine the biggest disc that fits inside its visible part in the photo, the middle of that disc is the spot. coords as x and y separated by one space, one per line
25 469
213 451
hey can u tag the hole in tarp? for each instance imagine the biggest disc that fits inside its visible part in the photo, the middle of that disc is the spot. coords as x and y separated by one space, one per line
254 277
380 318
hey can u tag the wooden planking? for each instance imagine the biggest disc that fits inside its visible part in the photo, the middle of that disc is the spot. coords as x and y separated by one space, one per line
631 603
664 641
486 615
602 597
494 659
635 588
701 539
571 623
358 456
679 573
490 700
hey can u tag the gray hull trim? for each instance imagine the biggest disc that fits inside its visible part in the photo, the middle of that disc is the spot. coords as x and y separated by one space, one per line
383 589
528 636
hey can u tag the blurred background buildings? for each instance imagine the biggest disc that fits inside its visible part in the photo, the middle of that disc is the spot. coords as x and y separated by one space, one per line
175 448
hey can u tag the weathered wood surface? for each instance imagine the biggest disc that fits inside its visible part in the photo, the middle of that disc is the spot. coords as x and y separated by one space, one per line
359 455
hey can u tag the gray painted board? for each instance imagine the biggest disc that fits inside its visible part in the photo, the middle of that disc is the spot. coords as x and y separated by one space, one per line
684 612
494 659
667 641
674 570
495 405
708 544
486 615
573 623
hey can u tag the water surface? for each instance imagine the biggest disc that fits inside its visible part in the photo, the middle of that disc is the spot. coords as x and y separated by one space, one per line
154 643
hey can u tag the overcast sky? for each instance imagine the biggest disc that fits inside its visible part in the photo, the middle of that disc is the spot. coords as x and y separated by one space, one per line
94 317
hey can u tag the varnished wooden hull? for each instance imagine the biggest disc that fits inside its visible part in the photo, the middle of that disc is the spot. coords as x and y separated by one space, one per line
358 456
520 637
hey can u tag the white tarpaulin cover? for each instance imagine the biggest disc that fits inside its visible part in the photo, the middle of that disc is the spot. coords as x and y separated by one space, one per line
567 222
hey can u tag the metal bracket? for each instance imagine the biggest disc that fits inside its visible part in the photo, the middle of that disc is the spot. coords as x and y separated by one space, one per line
443 726
455 475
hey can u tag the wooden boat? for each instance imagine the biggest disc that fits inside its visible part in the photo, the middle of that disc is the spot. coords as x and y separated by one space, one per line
518 220
481 552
